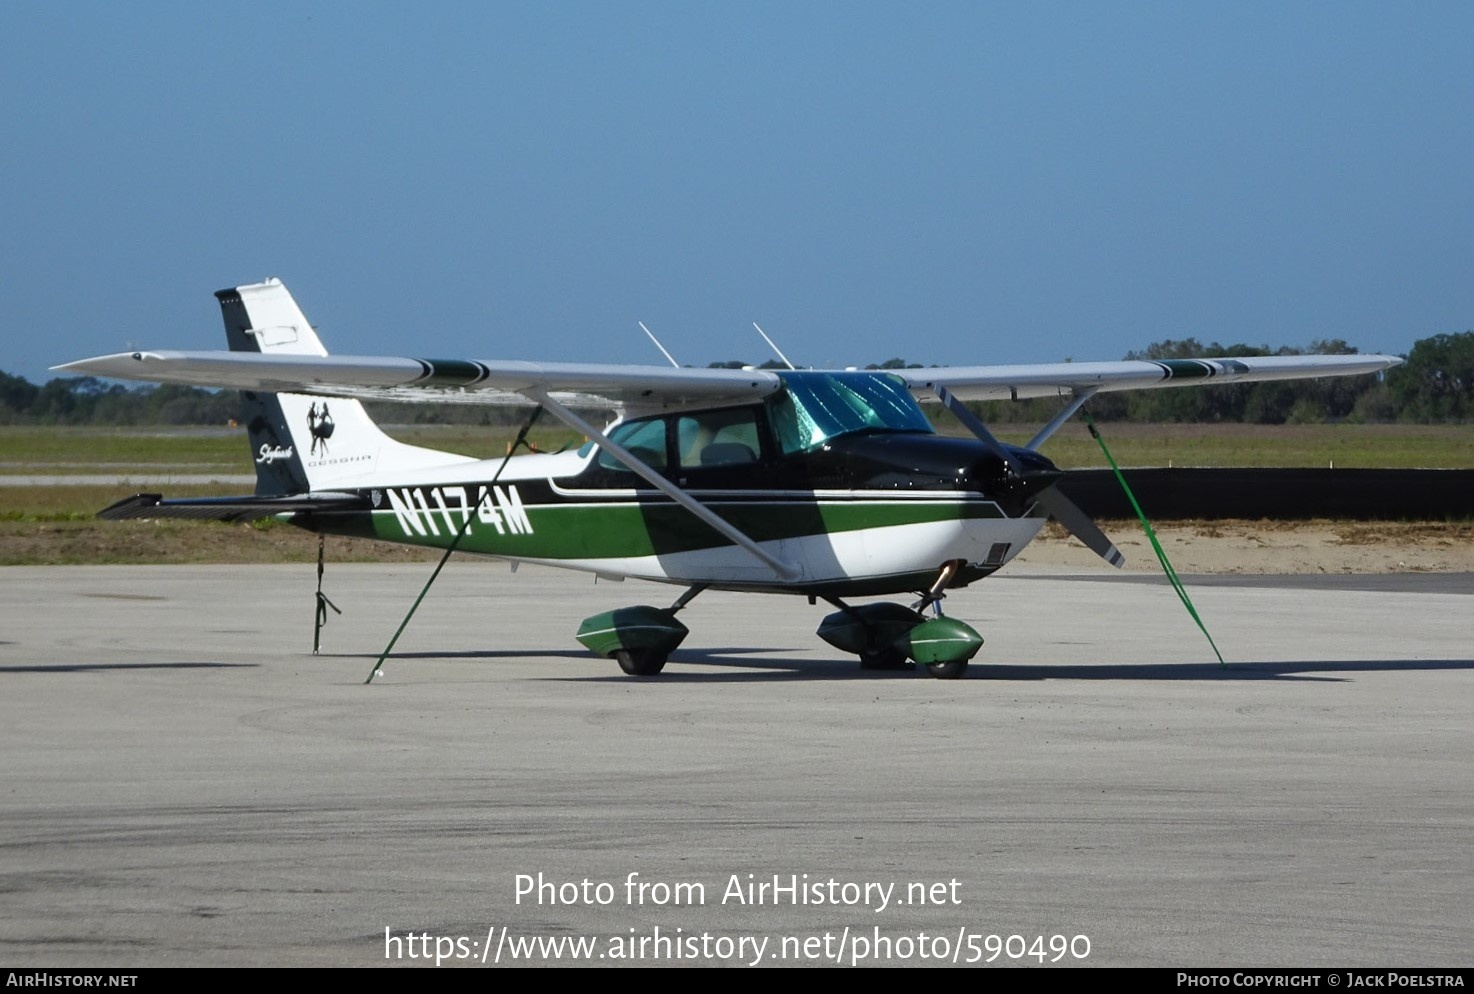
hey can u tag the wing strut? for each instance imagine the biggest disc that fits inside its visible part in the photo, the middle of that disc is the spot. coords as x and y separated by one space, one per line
784 570
1059 419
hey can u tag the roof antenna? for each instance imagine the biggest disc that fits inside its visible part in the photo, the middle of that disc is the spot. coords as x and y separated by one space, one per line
772 346
658 345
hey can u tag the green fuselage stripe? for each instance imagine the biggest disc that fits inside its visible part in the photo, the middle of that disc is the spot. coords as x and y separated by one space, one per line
600 530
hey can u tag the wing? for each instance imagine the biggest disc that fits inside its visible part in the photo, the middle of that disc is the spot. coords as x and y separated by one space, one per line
443 380
661 387
658 387
1067 378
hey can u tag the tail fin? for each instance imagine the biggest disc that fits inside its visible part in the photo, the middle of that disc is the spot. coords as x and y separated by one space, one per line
302 443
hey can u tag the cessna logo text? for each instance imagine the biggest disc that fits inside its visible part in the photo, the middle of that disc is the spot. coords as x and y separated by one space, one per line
446 510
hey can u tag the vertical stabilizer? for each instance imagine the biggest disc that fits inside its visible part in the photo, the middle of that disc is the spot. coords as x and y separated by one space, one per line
301 443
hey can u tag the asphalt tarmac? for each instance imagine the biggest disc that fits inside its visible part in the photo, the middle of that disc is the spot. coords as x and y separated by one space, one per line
184 784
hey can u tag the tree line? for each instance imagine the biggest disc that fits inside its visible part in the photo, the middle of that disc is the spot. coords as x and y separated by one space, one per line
1435 384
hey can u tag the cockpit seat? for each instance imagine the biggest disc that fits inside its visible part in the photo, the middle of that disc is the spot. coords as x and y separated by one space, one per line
727 454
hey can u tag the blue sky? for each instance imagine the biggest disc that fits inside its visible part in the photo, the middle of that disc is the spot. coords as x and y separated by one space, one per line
950 183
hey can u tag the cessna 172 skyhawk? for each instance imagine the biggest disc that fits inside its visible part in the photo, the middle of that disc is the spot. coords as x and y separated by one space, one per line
831 484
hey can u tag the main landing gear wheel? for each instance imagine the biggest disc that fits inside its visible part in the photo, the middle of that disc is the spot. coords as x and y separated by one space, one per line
952 669
641 662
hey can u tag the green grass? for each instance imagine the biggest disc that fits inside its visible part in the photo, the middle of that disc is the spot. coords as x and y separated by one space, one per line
36 450
65 451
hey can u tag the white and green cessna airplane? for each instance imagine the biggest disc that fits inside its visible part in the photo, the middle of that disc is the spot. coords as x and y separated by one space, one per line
831 484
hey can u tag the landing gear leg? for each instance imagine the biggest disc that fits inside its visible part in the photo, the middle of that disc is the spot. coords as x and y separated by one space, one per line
687 597
934 595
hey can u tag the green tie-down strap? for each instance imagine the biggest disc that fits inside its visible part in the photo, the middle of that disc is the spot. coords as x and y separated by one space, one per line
1146 526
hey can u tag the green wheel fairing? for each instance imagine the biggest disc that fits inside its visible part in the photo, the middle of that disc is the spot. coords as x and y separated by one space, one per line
868 627
639 629
942 640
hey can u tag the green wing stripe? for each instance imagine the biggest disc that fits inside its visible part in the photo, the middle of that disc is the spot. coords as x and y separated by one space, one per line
1186 369
453 372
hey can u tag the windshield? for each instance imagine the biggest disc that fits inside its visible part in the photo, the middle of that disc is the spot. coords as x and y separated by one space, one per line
816 407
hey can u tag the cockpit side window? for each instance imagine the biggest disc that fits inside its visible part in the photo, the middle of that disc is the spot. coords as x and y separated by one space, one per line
718 438
645 439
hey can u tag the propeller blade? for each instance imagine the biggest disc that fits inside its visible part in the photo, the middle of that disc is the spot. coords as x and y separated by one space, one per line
972 423
1078 524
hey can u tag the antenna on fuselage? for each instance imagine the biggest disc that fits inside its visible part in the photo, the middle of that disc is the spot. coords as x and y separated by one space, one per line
658 345
775 348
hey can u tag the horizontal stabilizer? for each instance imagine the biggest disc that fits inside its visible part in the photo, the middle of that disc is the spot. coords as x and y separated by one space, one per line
228 508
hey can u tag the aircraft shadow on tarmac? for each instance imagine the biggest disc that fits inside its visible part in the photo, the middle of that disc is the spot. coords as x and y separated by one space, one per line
105 667
748 663
846 669
1322 670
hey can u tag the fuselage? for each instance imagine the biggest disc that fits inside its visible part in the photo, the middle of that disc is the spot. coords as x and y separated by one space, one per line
861 503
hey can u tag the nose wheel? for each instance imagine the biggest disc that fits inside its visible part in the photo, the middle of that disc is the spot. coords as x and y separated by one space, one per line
952 669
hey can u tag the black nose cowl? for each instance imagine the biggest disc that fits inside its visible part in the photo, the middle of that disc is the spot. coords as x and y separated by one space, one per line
1015 484
931 462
